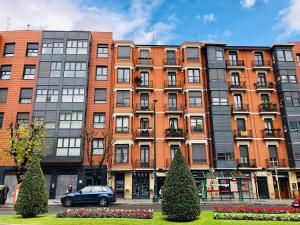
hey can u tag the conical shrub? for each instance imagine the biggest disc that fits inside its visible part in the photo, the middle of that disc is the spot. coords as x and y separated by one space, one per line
33 197
180 197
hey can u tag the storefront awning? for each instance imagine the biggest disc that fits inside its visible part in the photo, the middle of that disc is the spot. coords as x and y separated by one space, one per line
226 174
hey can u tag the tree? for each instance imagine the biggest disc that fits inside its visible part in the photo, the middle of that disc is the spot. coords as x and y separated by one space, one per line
180 197
33 197
89 135
25 144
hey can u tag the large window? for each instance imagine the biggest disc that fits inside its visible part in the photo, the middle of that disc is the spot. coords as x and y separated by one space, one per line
22 118
55 69
100 95
9 49
68 147
124 52
102 51
56 48
1 119
295 126
72 95
122 125
123 98
219 98
46 95
29 72
75 69
244 158
219 55
25 95
77 47
198 153
225 156
195 98
121 153
284 55
193 76
123 75
71 120
192 53
218 75
292 98
173 149
3 95
32 49
287 77
101 73
99 120
273 155
197 124
98 146
5 72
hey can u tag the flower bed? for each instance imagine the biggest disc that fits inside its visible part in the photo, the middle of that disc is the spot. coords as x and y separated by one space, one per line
257 217
256 210
106 213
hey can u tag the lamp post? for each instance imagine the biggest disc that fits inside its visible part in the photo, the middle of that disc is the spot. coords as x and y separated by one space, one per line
155 197
277 182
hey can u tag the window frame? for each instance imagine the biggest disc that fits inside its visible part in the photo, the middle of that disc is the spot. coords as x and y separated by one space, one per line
102 54
30 76
32 52
102 119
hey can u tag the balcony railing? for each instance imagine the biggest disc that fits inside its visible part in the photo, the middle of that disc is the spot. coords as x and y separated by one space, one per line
174 108
176 133
243 134
144 108
235 63
271 133
145 84
143 133
263 63
143 164
169 162
171 62
249 163
144 61
276 163
240 108
269 85
237 85
172 84
267 107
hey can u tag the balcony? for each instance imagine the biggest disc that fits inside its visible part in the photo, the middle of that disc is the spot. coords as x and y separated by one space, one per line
237 86
172 85
261 65
240 109
264 86
235 64
138 164
267 108
169 163
174 134
172 64
144 109
242 164
276 163
271 134
241 135
144 63
143 134
173 109
144 85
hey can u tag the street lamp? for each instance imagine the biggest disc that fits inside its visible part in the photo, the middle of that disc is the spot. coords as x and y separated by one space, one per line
155 197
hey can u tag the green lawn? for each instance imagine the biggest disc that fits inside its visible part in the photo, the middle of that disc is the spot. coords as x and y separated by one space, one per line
206 218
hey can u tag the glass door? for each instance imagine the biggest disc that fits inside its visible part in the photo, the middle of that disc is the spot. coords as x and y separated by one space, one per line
238 104
171 57
171 79
172 101
145 79
144 155
144 101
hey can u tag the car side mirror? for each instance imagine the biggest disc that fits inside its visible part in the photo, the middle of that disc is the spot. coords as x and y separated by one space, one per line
80 192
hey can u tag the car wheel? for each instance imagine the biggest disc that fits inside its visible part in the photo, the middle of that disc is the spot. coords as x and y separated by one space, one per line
68 202
103 202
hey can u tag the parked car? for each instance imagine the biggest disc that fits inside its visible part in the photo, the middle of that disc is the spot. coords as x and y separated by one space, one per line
296 203
102 195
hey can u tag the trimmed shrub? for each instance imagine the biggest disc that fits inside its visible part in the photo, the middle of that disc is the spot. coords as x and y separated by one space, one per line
257 217
33 197
180 197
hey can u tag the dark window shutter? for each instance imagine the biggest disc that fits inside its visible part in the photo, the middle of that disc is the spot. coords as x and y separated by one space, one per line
244 150
123 52
26 93
192 53
272 151
3 95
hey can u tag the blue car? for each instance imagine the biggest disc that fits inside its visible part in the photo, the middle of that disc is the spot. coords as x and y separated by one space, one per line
102 195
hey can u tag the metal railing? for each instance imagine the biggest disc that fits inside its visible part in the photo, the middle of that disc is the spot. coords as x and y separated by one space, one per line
235 63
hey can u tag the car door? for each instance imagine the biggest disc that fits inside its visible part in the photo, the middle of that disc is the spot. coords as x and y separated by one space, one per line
83 195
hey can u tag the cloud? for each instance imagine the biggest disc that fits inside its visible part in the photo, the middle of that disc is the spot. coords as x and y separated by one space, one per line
247 4
289 20
206 18
219 36
134 22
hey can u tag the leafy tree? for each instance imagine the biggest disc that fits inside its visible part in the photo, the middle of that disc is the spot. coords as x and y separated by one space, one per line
25 144
33 197
180 197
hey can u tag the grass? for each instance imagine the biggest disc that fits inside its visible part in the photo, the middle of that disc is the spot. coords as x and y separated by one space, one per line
205 218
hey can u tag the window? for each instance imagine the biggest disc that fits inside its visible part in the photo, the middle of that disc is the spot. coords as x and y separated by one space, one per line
144 123
197 124
192 53
22 118
123 98
287 77
72 95
173 149
292 98
75 69
258 59
68 147
99 120
233 59
225 156
47 48
219 55
9 49
171 57
5 72
47 124
71 120
235 78
29 72
102 51
25 95
198 153
122 124
262 81
32 49
144 79
217 75
172 101
298 59
193 76
98 146
3 95
123 76
244 158
77 47
295 126
195 98
100 95
273 155
124 52
44 95
121 153
171 79
101 73
284 56
56 48
219 98
1 119
55 69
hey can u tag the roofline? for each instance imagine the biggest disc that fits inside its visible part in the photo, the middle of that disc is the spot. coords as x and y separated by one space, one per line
247 47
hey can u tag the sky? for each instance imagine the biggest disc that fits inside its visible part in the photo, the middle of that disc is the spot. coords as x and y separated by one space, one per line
235 22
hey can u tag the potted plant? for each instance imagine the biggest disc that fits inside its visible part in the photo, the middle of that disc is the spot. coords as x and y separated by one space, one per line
137 80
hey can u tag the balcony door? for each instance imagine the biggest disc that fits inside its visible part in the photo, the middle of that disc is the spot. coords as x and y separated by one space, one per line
238 102
173 149
258 59
235 78
144 101
241 126
172 79
244 158
233 58
144 79
273 155
262 79
265 99
145 156
171 57
144 123
173 123
172 101
144 57
269 131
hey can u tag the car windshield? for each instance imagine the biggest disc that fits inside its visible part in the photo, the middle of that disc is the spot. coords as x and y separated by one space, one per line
86 189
